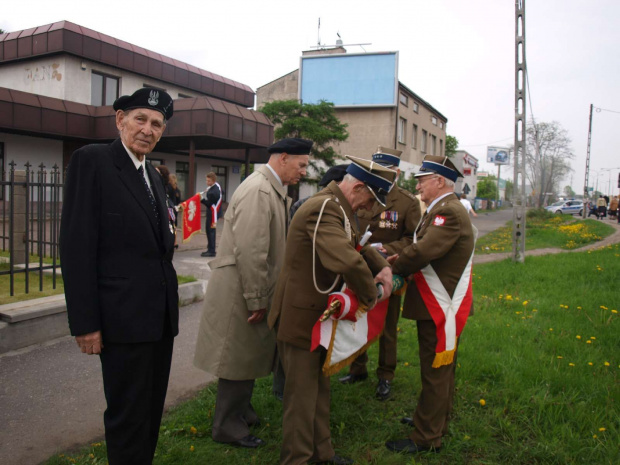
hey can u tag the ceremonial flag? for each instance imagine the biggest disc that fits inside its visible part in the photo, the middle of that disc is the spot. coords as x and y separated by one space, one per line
349 331
191 217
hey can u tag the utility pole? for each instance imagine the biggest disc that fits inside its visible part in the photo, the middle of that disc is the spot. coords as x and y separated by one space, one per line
518 211
585 184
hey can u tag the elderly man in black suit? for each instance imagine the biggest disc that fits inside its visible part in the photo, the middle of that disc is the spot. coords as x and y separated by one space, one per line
116 247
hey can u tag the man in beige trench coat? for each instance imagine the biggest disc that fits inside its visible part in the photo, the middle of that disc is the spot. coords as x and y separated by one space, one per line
234 342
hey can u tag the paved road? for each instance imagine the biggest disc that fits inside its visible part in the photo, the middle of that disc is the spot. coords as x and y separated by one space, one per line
51 395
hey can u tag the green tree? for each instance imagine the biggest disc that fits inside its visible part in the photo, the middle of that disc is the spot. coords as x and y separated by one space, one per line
487 188
408 183
510 187
568 191
317 122
1 31
452 145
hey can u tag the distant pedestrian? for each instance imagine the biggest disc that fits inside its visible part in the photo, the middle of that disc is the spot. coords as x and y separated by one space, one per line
601 207
466 203
212 199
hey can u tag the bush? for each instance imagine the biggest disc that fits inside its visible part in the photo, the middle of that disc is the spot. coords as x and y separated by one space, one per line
538 214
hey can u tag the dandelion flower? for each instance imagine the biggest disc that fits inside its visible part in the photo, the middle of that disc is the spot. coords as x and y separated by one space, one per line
191 448
483 402
579 308
534 310
550 329
578 336
590 363
193 430
406 364
525 302
571 364
606 364
614 311
588 342
601 429
593 338
595 436
559 356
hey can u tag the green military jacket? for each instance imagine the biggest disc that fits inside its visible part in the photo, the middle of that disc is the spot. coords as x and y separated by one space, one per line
394 224
297 305
445 240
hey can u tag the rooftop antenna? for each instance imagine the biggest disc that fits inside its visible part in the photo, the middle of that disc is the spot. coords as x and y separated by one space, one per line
339 41
318 34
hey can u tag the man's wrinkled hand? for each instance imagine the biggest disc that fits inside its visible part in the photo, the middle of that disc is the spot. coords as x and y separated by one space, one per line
392 258
257 316
385 278
90 343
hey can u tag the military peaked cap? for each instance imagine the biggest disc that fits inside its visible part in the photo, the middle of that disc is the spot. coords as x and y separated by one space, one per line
434 164
377 177
387 157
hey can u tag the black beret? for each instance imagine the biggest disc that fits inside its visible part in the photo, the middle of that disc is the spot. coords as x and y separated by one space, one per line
146 97
335 173
292 146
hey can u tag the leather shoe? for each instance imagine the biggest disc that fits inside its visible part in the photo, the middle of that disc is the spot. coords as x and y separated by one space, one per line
351 378
384 389
407 421
250 441
409 447
207 254
337 460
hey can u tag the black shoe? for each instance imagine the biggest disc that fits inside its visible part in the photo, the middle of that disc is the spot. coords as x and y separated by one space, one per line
351 378
207 254
250 441
407 421
384 390
409 447
337 460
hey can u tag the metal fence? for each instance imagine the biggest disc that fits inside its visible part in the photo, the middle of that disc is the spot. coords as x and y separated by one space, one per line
30 219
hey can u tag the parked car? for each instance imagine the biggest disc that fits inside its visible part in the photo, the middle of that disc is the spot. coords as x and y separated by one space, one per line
571 207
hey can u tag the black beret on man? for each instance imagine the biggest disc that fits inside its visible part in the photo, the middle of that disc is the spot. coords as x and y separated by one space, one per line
292 146
146 97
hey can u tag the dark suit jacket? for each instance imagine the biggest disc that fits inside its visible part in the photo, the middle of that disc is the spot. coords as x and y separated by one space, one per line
296 302
116 263
446 241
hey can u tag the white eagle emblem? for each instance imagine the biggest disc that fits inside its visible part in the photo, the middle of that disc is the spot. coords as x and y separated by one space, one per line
439 220
192 210
153 98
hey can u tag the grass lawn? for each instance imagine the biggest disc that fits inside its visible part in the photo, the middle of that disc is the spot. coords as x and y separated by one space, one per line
553 231
537 381
48 289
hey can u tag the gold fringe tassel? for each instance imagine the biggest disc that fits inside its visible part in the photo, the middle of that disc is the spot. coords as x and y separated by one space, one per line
446 357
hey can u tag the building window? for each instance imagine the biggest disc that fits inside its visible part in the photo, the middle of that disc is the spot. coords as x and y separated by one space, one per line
433 145
156 161
440 146
222 179
182 172
424 138
2 174
441 124
434 120
404 99
402 130
414 136
103 89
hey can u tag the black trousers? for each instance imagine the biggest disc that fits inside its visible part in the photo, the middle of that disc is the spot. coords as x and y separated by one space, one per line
210 232
135 381
234 413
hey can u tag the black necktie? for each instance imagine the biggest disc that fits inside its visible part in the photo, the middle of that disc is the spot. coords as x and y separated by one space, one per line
150 195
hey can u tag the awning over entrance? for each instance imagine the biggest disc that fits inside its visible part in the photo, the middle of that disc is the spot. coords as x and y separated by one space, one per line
207 123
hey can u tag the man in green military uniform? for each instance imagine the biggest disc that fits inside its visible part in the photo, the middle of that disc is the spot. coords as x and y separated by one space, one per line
392 226
439 297
320 256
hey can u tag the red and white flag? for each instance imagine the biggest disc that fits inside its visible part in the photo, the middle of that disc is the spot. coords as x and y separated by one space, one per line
347 334
191 217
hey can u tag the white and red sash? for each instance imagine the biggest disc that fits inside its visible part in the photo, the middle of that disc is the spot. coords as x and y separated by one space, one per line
448 313
215 208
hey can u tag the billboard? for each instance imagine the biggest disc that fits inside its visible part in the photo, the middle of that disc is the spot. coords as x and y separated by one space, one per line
498 155
350 80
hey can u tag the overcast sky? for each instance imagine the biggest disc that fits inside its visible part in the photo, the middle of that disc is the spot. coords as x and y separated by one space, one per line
457 55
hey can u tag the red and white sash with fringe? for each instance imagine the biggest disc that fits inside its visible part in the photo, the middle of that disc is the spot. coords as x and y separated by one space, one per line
216 207
449 313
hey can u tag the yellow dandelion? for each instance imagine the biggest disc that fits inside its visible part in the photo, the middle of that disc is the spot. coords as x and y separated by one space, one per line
534 310
509 297
579 308
483 402
193 430
588 342
603 307
550 329
594 436
590 363
507 325
559 356
601 429
525 302
578 336
571 364
614 311
406 364
606 364
92 456
518 313
191 448
397 329
467 438
593 338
